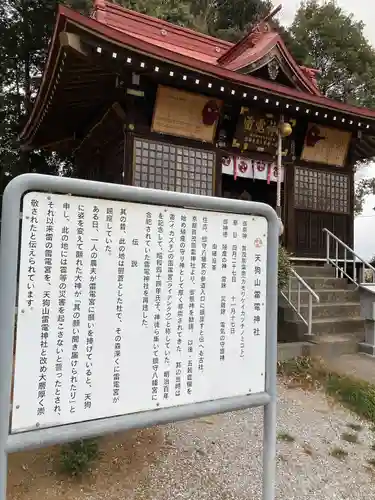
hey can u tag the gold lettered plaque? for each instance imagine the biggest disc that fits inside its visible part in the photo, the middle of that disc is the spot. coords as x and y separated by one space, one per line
185 114
257 130
326 145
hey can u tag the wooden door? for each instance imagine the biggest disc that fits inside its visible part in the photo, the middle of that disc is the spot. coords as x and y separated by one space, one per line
310 238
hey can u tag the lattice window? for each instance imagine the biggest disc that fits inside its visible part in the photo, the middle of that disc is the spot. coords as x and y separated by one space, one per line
160 165
322 191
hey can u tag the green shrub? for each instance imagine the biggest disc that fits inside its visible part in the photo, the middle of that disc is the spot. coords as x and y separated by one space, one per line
76 457
284 268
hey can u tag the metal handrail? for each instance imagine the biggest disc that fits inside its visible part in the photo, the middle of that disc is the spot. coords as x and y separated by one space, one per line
301 284
342 270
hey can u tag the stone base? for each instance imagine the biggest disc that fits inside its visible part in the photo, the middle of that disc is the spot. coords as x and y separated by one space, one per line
291 350
366 348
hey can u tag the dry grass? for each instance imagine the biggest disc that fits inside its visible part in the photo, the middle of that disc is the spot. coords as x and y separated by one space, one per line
125 461
355 427
308 450
356 395
338 453
284 436
349 438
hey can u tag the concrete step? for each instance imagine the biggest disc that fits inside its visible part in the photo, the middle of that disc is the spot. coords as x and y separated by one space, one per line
315 271
327 295
322 283
326 310
327 326
291 350
331 346
357 336
365 348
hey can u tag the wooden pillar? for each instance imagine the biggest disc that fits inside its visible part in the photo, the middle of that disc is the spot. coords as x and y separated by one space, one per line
217 191
128 162
289 211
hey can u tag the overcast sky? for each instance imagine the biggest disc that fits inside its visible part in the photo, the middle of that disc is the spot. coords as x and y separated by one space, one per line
363 10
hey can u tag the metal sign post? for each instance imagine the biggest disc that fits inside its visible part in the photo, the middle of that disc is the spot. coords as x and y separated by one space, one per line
128 307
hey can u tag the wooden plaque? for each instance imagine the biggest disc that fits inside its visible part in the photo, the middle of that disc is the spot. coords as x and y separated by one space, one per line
179 113
257 130
326 145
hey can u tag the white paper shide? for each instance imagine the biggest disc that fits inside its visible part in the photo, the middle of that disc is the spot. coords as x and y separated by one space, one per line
126 307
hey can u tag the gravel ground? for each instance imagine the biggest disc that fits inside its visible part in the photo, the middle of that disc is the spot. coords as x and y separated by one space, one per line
219 458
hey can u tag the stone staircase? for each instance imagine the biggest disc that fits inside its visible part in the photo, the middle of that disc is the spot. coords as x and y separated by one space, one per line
337 327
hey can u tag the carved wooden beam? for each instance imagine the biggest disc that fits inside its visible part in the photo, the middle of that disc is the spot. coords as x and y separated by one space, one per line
272 14
114 113
49 145
73 42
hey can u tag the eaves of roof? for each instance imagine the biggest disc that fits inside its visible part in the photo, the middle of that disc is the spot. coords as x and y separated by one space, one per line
103 32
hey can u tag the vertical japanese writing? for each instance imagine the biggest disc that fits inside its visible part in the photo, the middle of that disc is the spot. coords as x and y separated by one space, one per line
193 251
48 243
91 314
244 230
192 305
234 253
64 247
119 306
34 219
223 313
46 308
157 317
214 257
223 285
225 228
109 230
168 315
243 299
233 305
224 248
202 300
78 276
100 266
146 270
180 305
244 236
257 294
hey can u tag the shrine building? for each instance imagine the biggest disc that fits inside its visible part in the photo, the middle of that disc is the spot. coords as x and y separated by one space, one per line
139 101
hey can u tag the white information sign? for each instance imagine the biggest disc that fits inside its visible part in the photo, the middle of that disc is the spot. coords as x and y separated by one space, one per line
126 307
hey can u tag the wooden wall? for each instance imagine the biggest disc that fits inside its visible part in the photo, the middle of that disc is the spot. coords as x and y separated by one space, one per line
100 155
318 197
115 150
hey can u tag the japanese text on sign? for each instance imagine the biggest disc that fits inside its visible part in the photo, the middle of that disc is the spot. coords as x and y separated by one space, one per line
126 307
258 131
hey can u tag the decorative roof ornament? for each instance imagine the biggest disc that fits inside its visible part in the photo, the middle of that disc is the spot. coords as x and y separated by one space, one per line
250 40
273 69
311 74
256 34
99 11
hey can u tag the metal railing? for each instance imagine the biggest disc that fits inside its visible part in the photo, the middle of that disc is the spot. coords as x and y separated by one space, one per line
364 275
293 297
